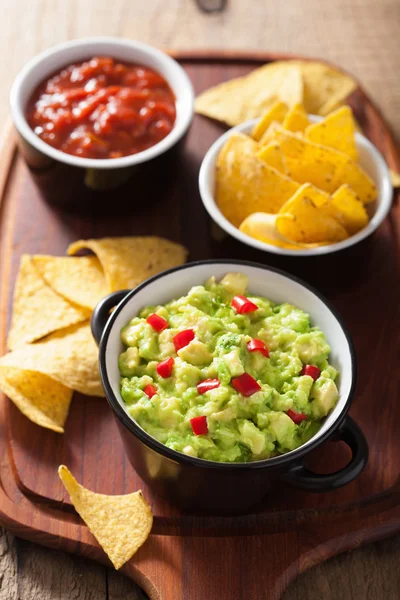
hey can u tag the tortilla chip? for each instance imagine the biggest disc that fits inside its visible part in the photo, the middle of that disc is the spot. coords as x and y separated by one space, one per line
262 227
273 156
310 163
224 102
38 310
127 261
277 113
78 280
350 211
246 184
325 88
318 86
395 177
269 135
330 106
337 131
121 524
41 399
69 356
302 221
352 174
336 107
249 97
324 167
323 201
296 119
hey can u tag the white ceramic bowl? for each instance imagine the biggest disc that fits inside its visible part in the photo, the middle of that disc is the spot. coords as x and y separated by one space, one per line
53 59
370 159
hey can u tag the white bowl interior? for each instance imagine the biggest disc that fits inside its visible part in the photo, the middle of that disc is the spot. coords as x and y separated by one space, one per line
262 282
369 158
55 58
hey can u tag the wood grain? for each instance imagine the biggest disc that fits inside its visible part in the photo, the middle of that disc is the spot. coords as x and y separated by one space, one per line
302 528
360 35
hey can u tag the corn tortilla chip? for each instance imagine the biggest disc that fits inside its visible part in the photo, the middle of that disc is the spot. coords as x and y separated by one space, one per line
320 87
330 106
246 184
224 102
351 212
127 261
296 119
325 87
277 113
270 133
340 206
323 201
38 310
78 280
361 183
395 177
337 131
316 170
324 167
249 97
273 156
262 226
283 81
121 524
41 399
69 356
302 221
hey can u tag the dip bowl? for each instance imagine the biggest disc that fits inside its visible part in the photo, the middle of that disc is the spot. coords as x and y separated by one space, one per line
73 181
370 159
200 485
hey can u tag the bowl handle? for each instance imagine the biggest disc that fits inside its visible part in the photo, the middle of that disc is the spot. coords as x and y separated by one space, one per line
101 313
351 434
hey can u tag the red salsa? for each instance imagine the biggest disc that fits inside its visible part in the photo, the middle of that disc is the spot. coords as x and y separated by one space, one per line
102 108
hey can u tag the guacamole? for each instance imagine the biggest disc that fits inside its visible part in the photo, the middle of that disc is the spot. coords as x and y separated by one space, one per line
225 375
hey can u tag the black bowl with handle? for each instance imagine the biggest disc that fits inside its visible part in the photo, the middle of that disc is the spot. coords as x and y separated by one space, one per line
228 488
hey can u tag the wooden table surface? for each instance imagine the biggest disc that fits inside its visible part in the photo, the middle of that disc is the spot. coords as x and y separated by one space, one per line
360 35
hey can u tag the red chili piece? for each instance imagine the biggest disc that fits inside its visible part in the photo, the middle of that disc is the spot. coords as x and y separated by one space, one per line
296 417
258 346
183 338
150 390
199 425
311 371
164 368
158 323
245 384
207 385
243 305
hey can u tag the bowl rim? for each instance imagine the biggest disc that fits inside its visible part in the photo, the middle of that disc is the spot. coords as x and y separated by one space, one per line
90 43
383 206
180 457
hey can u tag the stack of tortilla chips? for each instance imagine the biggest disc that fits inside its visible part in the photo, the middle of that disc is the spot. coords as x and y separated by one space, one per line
318 86
294 183
53 353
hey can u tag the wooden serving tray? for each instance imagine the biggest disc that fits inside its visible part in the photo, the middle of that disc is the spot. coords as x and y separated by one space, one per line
189 557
